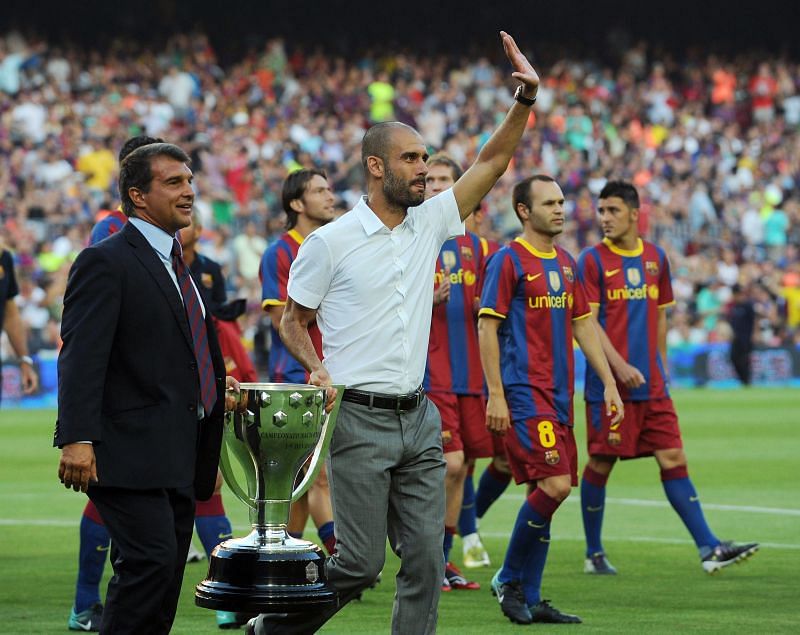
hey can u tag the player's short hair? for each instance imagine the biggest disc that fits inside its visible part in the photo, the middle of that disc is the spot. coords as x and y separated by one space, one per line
522 192
377 139
135 170
294 187
621 189
136 142
442 158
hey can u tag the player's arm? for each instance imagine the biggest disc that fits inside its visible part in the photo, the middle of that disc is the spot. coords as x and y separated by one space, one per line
293 330
587 333
275 313
495 155
628 375
15 329
497 416
661 336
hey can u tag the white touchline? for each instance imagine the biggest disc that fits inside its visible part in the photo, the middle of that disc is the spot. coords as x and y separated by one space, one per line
639 502
664 541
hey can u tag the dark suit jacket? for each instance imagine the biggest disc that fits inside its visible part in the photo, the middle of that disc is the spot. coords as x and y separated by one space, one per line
127 374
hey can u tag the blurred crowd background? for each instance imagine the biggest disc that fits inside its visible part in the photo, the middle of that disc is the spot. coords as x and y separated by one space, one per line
711 140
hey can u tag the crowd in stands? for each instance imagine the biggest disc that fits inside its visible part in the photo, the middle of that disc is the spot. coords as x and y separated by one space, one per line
711 142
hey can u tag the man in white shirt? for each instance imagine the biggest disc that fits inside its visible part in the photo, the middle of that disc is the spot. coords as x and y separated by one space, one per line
367 280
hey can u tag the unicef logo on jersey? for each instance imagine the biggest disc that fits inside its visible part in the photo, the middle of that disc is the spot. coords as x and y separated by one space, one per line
460 276
632 290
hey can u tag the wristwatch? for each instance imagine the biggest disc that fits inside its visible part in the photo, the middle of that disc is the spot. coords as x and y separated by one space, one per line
525 101
26 359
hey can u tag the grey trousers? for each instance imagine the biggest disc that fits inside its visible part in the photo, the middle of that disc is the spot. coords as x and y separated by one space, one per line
386 475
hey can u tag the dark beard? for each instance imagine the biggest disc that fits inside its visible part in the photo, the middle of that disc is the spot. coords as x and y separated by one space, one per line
397 192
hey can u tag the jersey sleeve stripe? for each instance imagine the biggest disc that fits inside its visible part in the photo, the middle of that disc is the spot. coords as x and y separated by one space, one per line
581 317
491 313
272 302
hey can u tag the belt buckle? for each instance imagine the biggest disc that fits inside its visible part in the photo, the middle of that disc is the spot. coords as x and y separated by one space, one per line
416 396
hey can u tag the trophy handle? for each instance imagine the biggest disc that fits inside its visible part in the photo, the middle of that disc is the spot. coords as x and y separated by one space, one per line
227 470
321 448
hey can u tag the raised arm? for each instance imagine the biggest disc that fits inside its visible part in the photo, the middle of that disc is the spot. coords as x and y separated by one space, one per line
495 155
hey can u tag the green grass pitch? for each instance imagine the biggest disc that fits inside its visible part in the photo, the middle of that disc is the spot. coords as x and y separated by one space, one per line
743 448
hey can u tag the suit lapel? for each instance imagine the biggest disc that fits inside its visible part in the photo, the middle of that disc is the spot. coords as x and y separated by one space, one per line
152 263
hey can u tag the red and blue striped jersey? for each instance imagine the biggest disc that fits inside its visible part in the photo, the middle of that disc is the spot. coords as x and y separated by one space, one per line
454 362
274 274
629 287
538 296
110 224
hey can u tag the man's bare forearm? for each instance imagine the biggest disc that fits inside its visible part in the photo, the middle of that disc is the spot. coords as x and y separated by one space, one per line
489 348
295 337
587 333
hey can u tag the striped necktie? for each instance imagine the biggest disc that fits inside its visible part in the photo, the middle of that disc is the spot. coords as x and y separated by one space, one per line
197 324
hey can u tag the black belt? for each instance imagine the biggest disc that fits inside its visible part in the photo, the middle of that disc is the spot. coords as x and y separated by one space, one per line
398 403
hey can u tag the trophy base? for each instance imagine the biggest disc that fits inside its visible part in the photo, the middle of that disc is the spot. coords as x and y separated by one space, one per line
245 577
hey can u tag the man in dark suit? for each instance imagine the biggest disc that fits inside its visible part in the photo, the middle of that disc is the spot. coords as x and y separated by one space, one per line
141 390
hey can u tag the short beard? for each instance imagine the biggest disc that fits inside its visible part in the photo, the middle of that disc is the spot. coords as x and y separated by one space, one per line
397 192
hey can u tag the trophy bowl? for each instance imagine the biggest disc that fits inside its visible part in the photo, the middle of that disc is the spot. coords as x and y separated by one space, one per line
274 432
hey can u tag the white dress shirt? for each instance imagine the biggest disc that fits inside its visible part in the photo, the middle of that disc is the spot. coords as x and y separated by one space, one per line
161 242
373 291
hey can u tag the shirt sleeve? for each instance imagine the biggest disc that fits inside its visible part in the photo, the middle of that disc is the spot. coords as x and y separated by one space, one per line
589 277
274 276
499 284
311 273
580 305
665 295
442 211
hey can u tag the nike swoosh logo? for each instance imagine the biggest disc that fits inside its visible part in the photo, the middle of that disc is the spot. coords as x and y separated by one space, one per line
589 508
102 548
611 272
694 499
224 536
85 627
543 539
535 526
532 276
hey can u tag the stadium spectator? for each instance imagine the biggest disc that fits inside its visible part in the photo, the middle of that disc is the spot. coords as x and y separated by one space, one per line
259 102
742 317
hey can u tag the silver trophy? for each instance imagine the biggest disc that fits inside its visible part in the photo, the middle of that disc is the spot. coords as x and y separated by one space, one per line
276 431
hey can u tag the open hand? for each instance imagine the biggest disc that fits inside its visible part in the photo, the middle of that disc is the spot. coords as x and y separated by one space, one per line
523 71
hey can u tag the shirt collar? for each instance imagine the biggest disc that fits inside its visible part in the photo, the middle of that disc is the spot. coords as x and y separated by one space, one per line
628 253
159 240
296 236
370 222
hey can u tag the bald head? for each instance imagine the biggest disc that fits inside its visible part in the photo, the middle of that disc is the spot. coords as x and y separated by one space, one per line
378 139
